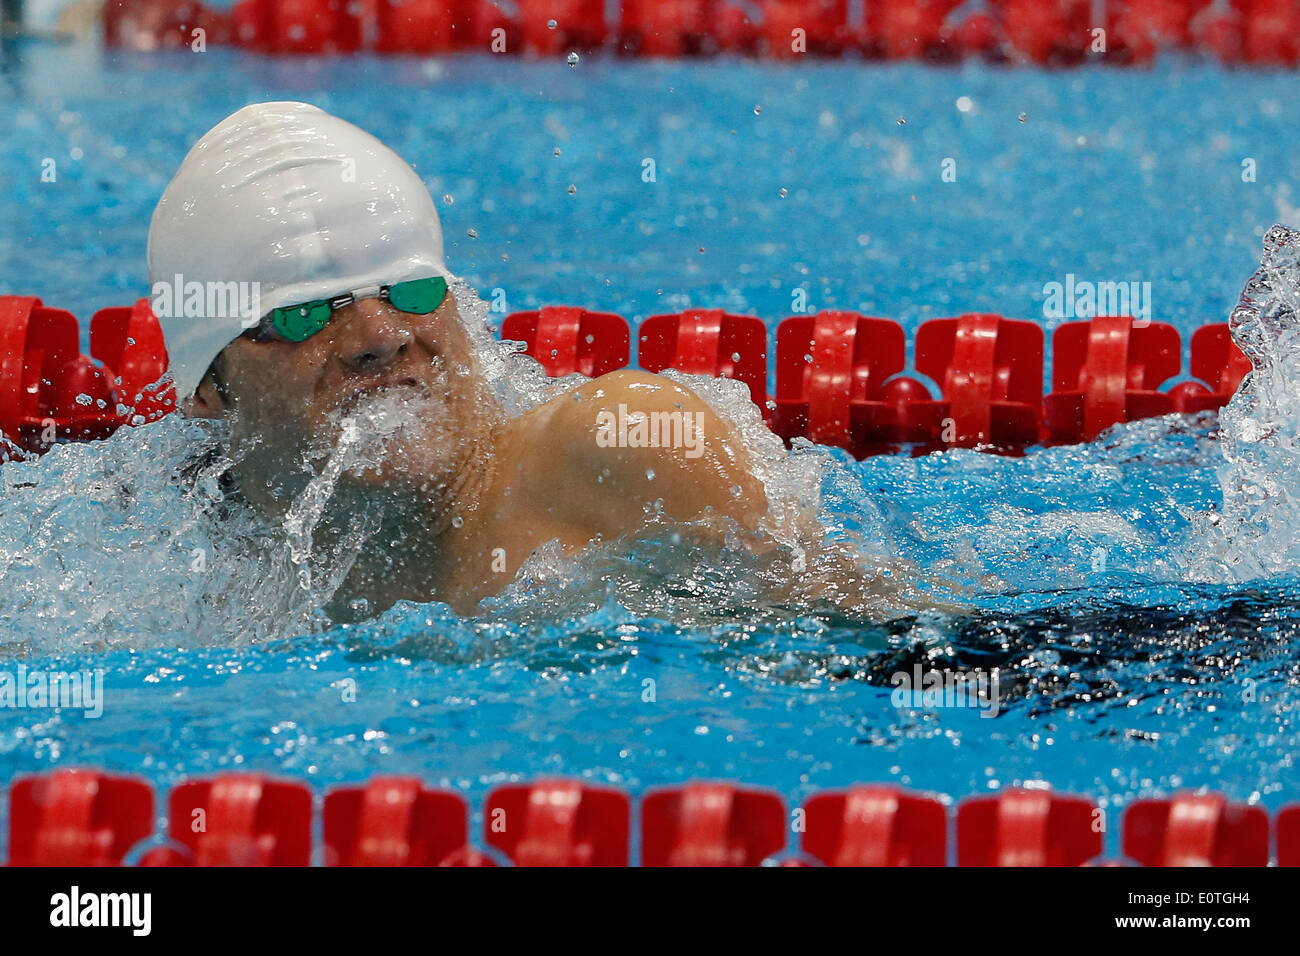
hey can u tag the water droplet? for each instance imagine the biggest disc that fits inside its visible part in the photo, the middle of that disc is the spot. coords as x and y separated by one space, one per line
472 233
701 250
448 198
557 151
901 121
572 59
572 189
784 192
551 24
649 474
757 110
735 356
1022 117
84 399
458 522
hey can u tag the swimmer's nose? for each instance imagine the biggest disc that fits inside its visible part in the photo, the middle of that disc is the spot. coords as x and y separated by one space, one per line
371 338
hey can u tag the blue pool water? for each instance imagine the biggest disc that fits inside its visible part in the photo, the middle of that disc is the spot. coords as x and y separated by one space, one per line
1135 661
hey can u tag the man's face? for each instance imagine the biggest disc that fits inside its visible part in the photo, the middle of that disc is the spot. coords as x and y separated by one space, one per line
290 398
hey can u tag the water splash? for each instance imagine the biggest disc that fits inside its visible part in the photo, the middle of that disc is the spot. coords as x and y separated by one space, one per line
141 540
1254 535
101 545
363 437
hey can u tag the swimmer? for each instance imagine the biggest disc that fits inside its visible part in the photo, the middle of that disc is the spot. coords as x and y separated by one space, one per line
342 243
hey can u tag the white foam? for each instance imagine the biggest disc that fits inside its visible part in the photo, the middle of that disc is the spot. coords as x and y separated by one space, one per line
1257 531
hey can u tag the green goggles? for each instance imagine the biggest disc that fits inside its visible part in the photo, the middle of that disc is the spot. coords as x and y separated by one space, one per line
297 323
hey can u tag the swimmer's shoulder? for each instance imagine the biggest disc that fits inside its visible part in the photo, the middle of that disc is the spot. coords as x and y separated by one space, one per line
635 389
588 436
598 410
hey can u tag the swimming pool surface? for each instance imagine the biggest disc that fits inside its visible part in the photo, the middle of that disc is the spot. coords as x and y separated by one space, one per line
1133 662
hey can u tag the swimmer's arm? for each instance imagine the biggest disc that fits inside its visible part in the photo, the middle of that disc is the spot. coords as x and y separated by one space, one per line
704 469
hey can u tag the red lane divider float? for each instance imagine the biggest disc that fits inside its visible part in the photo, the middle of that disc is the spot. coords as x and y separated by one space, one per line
836 385
129 342
842 378
1196 830
50 392
164 24
1042 32
1055 33
77 818
558 823
708 342
1028 828
237 820
557 26
711 824
567 340
875 826
382 26
991 370
792 28
1108 370
908 29
395 821
1216 360
668 28
91 818
1288 837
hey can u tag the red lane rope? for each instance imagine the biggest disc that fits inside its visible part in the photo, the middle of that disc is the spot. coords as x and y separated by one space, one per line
837 373
1263 33
92 818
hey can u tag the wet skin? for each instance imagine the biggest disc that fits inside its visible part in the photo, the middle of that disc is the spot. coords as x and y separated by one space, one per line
469 497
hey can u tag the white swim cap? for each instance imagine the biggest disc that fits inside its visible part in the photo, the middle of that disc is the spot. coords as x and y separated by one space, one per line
294 205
